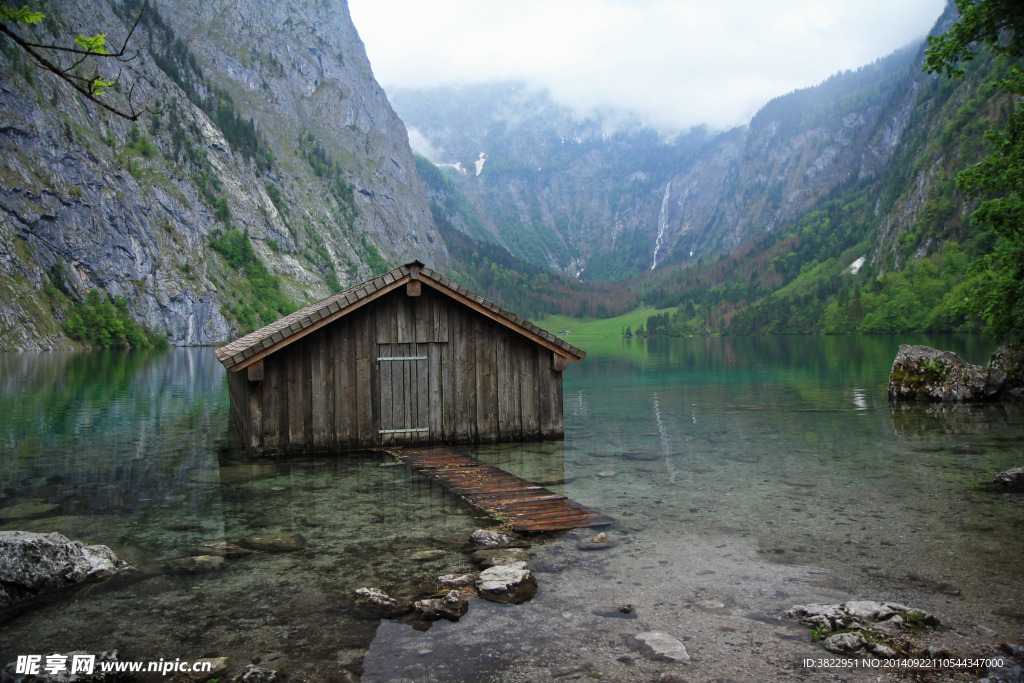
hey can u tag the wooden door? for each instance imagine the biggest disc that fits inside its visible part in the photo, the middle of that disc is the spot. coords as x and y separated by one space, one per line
405 377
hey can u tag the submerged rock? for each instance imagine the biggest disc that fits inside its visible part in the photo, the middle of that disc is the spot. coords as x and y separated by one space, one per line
428 555
1010 480
32 564
27 510
512 583
373 603
199 564
663 646
598 542
222 548
921 372
493 557
282 542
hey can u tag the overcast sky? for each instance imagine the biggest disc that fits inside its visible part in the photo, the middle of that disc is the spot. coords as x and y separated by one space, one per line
675 63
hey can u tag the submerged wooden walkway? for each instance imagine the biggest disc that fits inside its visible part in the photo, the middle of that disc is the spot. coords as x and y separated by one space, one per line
526 506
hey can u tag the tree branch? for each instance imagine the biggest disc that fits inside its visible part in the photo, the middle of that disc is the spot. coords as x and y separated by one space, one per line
90 88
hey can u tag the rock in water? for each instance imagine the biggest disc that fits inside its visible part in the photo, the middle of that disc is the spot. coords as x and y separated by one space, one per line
1010 480
222 548
664 646
276 543
921 372
373 603
32 564
483 538
492 557
428 555
512 583
198 564
452 606
456 580
1009 358
598 542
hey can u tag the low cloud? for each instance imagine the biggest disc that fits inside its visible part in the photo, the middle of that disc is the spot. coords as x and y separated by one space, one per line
675 63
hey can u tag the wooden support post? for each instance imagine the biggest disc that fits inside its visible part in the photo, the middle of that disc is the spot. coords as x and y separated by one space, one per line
558 361
413 287
255 371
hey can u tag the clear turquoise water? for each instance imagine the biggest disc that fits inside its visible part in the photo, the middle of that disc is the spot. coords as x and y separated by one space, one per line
785 446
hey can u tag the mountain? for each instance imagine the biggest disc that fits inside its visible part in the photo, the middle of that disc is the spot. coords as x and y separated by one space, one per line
577 194
271 171
559 189
831 192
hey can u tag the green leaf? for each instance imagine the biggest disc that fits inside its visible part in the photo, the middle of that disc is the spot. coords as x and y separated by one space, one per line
20 16
96 44
98 85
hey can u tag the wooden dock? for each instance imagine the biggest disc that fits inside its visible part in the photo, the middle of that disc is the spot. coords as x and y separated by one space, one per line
525 506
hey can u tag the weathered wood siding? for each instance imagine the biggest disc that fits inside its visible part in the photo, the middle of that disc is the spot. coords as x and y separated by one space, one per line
401 370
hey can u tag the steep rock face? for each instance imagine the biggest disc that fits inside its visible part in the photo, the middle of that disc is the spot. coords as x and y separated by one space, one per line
796 150
302 66
91 201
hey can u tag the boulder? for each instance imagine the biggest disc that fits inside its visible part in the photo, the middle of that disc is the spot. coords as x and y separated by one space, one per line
452 606
281 542
512 583
372 603
921 372
663 646
1010 480
32 564
1009 358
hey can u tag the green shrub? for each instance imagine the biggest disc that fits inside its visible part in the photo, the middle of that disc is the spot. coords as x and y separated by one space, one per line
105 323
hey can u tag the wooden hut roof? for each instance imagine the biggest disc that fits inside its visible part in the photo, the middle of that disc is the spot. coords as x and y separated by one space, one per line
246 350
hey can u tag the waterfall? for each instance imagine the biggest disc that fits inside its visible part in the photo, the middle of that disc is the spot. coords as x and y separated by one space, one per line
662 222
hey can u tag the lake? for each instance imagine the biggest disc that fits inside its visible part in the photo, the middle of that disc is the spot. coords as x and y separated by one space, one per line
747 474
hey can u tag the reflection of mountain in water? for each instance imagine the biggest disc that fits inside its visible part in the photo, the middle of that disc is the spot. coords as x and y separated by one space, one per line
110 432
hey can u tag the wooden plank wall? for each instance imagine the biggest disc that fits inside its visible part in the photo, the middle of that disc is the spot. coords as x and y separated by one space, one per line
481 381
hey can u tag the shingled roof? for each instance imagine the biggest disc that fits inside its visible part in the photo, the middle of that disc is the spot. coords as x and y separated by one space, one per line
248 349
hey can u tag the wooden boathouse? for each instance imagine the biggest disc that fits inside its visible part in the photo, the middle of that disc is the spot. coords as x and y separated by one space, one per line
409 357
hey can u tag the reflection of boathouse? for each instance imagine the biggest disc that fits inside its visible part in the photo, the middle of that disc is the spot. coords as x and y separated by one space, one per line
409 357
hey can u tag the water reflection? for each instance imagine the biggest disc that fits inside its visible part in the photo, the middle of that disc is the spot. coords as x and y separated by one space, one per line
737 468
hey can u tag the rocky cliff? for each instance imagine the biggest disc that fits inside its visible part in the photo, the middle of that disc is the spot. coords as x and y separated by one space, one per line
265 124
